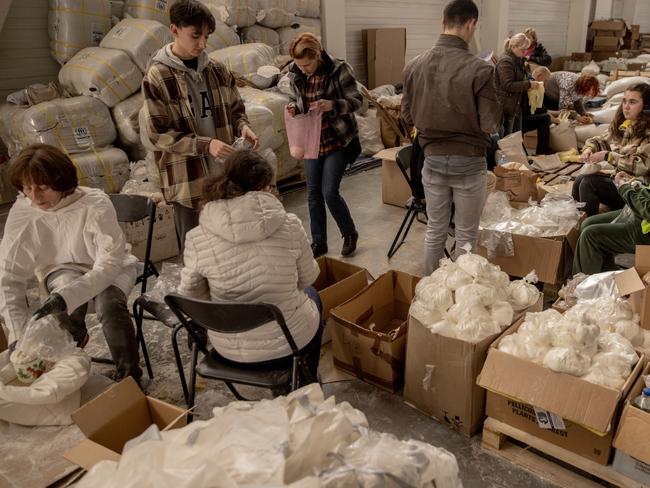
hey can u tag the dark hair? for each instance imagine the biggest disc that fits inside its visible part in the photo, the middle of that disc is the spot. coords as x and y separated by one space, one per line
586 84
42 164
458 12
184 13
244 171
643 122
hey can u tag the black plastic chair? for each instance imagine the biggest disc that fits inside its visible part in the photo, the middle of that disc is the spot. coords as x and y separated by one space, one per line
133 208
200 316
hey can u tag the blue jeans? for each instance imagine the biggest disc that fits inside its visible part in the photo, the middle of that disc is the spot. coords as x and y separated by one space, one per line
323 177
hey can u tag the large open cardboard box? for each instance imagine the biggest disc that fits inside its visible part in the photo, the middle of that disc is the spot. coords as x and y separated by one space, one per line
116 416
550 257
369 335
632 441
630 282
394 188
441 375
517 387
164 243
385 55
337 282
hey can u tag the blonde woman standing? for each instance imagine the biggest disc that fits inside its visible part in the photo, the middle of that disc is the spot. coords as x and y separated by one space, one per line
511 81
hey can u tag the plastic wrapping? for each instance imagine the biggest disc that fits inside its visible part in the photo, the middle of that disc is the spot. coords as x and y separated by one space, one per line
245 59
369 133
45 339
298 26
619 86
106 168
236 13
276 14
74 25
265 35
223 36
310 8
166 283
148 9
139 38
106 74
302 438
567 360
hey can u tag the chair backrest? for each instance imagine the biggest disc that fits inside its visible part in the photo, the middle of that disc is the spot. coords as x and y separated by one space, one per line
228 318
403 157
131 208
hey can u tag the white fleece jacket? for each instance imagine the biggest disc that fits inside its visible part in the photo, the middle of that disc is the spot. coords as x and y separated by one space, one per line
84 233
248 249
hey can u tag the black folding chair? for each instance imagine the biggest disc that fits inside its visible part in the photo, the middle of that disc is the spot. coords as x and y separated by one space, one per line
415 205
197 317
133 208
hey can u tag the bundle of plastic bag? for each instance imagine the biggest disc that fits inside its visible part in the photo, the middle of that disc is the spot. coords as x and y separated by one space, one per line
470 299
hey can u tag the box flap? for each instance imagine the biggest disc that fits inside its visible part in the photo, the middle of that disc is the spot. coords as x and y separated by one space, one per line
633 435
642 259
115 416
88 453
587 404
166 416
628 282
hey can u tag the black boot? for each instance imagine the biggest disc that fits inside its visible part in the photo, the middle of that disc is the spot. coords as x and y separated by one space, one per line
349 244
318 249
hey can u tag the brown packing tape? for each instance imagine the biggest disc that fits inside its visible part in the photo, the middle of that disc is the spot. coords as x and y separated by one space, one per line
394 363
389 385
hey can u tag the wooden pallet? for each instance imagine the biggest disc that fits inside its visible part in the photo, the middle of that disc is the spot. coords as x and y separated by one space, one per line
618 74
569 169
496 437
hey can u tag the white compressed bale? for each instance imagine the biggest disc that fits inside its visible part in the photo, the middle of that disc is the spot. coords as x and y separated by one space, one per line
369 132
72 124
261 120
308 8
619 86
148 9
106 169
603 116
245 59
127 123
273 100
222 37
265 77
240 13
106 74
265 35
117 10
276 13
287 164
11 127
584 132
139 38
76 24
299 26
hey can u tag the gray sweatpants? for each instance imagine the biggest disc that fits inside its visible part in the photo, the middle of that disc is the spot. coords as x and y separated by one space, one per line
112 312
445 183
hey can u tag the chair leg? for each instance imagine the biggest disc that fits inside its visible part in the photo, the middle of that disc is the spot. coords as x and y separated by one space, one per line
179 362
138 315
409 217
234 391
195 356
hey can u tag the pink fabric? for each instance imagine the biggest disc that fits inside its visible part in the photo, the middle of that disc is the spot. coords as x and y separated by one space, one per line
303 133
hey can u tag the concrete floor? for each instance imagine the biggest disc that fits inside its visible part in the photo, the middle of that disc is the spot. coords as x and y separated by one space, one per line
386 412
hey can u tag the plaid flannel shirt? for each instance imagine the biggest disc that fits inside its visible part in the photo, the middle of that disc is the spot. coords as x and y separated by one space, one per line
182 155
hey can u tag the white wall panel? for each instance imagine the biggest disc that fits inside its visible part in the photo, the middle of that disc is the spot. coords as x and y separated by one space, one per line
550 18
24 47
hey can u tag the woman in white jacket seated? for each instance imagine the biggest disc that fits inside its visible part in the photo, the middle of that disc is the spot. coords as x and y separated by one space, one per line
247 248
68 237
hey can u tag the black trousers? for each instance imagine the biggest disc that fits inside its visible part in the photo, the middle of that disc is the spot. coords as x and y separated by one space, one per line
594 190
541 122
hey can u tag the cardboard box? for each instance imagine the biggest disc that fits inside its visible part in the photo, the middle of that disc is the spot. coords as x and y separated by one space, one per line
440 377
616 27
394 188
607 43
632 441
604 55
589 412
164 244
369 335
519 185
630 282
337 282
580 56
116 416
530 140
550 257
385 54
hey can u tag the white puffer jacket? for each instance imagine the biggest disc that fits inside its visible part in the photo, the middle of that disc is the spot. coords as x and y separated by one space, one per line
249 249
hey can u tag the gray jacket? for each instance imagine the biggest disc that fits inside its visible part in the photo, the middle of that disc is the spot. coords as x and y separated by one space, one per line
449 97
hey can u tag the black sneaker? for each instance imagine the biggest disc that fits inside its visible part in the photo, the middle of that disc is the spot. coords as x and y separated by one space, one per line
349 244
318 249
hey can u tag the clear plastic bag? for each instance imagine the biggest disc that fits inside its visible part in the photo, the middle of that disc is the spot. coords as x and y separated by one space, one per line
303 133
166 283
43 339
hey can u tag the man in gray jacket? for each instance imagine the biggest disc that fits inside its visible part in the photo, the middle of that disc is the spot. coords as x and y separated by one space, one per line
449 97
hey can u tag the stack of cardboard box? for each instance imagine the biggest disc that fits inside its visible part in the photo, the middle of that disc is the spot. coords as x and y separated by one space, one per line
608 38
631 39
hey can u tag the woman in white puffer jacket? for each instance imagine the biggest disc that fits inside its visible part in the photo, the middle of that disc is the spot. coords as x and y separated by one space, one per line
247 248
